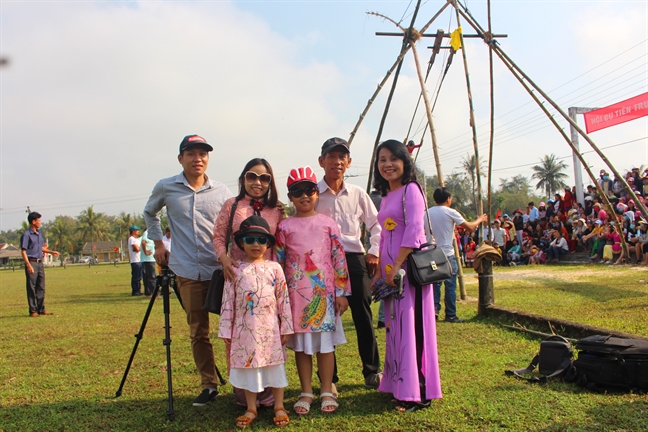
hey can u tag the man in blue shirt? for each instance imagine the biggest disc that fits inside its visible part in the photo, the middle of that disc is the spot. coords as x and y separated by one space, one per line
193 202
534 214
32 247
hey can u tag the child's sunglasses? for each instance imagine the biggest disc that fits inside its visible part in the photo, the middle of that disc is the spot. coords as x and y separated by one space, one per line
262 240
297 192
263 178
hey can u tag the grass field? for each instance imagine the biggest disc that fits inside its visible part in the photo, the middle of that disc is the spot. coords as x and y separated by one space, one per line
61 372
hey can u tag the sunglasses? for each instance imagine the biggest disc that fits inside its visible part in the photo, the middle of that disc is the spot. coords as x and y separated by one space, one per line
253 177
297 192
262 240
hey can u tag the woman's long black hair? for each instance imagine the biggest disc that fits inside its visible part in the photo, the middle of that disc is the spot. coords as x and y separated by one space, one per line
399 150
270 198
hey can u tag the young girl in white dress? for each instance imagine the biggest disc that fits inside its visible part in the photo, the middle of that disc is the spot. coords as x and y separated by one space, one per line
256 322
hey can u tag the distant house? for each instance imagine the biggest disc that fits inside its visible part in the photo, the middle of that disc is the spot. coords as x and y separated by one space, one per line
104 251
8 252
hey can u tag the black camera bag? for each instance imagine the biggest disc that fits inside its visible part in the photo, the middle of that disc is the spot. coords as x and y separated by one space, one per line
555 360
607 362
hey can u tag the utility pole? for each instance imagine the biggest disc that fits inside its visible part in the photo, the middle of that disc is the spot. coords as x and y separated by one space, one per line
578 168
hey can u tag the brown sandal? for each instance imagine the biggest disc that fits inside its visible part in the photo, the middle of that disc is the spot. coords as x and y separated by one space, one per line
278 420
245 421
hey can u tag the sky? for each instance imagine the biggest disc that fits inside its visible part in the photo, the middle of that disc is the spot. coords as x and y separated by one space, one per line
98 94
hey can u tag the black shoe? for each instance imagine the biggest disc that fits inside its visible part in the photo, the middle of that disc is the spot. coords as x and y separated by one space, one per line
206 396
436 318
381 325
453 319
135 294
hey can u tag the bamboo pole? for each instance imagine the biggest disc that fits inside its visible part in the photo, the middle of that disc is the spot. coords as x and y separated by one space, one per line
473 126
566 116
382 121
389 72
571 144
492 117
428 113
437 161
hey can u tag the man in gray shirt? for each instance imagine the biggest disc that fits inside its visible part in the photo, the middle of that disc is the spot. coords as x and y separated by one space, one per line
193 202
443 219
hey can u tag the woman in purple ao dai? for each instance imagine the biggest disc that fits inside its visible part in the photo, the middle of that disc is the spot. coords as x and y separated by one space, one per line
411 371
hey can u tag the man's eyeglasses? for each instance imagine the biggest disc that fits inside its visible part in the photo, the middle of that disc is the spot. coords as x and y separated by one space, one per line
262 240
253 177
297 192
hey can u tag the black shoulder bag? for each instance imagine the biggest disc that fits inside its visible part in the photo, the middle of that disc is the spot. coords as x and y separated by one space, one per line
214 299
428 263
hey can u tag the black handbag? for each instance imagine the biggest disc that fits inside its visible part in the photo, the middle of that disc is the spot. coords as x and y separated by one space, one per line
214 299
428 263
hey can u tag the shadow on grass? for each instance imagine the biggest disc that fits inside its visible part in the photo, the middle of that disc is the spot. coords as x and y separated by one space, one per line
631 415
599 293
111 298
134 414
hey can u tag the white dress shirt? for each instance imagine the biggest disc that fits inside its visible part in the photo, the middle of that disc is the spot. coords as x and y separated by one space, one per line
350 207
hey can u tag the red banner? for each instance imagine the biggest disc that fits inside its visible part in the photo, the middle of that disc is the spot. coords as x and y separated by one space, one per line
618 113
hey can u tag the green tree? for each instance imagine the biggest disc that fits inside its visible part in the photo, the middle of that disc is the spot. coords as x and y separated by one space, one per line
469 164
550 174
61 235
92 225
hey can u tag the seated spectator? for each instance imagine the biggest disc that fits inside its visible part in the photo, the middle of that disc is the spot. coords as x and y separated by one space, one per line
542 210
557 248
514 253
536 256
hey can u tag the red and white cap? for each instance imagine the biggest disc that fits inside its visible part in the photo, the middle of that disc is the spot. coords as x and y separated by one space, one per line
302 174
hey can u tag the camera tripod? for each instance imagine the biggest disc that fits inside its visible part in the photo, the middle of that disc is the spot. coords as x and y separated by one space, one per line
163 282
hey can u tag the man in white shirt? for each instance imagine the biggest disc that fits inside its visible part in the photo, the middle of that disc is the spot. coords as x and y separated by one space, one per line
167 239
134 243
350 206
443 220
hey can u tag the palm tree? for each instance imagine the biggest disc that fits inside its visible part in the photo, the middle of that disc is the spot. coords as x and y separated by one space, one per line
469 163
60 234
550 174
92 225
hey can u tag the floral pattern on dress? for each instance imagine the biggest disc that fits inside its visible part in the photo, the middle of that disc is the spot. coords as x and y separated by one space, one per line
313 258
256 312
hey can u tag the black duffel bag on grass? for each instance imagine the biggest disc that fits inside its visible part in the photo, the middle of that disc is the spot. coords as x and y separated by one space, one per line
607 362
555 360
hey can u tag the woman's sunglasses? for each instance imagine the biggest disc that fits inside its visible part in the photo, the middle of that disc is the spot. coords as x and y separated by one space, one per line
253 177
297 192
262 240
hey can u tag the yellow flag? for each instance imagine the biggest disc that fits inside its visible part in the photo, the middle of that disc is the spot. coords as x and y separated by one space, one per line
455 39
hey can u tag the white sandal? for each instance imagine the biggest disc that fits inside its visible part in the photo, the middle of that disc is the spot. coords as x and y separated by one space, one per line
303 404
328 403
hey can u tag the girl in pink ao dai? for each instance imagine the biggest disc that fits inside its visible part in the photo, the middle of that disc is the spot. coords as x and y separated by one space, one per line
256 321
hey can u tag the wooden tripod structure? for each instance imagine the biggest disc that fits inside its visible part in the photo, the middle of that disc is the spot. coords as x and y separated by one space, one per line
410 37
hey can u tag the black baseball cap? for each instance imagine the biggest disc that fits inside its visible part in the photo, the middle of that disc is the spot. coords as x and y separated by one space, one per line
194 141
333 143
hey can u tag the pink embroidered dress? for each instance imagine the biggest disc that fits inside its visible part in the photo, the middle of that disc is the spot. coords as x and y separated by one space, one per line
316 273
255 313
244 210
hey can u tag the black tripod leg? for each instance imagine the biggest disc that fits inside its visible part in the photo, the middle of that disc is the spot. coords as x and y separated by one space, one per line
167 343
138 338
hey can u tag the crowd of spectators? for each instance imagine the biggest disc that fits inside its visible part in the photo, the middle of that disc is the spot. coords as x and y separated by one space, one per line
562 225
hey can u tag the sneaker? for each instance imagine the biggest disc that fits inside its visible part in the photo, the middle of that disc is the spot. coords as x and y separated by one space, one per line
381 325
453 319
373 380
206 396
